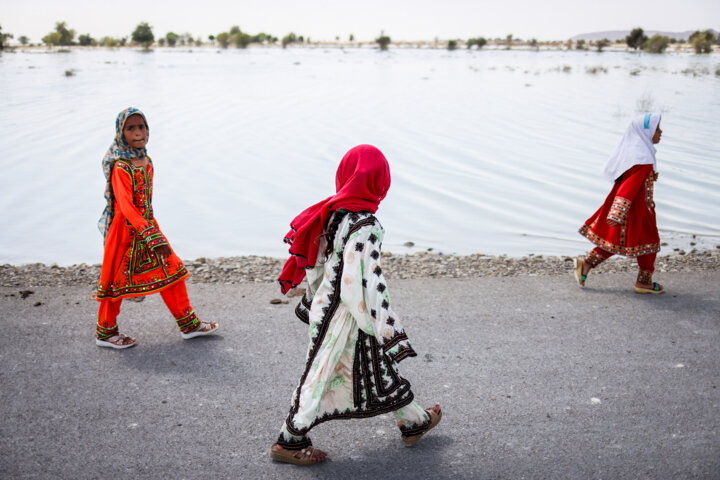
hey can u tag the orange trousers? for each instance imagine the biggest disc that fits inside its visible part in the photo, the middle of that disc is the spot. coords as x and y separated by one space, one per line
175 297
646 263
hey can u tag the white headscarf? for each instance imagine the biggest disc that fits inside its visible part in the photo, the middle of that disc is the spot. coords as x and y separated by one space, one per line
636 147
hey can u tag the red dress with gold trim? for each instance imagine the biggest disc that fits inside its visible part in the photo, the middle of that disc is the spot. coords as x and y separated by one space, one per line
630 203
130 266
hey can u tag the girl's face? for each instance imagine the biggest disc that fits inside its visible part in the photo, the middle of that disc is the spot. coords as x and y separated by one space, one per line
658 134
135 131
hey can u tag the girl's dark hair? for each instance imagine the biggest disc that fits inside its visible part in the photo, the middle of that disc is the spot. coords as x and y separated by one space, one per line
330 230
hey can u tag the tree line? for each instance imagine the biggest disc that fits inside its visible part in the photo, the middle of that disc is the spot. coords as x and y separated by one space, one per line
701 41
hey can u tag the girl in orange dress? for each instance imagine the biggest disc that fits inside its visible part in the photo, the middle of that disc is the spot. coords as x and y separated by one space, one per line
138 259
625 224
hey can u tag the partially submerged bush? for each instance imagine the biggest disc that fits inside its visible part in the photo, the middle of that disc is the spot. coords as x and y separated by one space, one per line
383 41
636 39
223 39
656 44
61 36
288 39
143 35
479 42
702 41
600 44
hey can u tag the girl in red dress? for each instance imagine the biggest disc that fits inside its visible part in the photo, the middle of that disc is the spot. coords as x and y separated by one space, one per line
138 259
625 224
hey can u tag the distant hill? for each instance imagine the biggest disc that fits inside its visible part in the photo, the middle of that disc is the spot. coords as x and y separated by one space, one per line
621 34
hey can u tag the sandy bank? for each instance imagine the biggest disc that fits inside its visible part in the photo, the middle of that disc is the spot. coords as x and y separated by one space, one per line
255 269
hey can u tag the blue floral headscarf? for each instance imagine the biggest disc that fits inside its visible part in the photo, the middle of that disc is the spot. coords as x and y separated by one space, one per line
119 149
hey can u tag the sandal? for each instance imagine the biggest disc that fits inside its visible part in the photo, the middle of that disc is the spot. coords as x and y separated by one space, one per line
118 341
656 289
411 440
201 330
579 263
308 456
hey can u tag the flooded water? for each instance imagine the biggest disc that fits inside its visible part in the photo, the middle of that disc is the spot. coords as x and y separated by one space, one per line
496 152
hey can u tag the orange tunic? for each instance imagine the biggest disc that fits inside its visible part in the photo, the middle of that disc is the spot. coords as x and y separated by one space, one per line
631 205
130 266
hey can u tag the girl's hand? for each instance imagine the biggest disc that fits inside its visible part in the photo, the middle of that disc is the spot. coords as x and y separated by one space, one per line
655 176
164 251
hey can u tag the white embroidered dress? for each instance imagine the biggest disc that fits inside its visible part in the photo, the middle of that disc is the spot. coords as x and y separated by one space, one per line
355 338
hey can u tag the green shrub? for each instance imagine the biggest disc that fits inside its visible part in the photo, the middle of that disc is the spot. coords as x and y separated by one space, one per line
636 39
143 35
108 42
288 39
383 41
171 38
600 44
656 44
86 40
223 39
241 39
580 44
480 42
452 44
61 36
702 41
4 37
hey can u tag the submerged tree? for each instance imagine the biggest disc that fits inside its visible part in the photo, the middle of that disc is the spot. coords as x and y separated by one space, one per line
600 44
452 44
241 39
108 42
4 37
61 36
702 41
223 39
143 35
383 40
580 44
656 44
171 38
479 42
288 39
636 39
23 40
86 40
508 41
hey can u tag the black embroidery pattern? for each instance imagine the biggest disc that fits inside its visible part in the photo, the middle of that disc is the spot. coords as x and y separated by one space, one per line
377 386
375 254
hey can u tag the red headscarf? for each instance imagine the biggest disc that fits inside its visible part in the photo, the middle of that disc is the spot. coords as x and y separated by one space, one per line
361 182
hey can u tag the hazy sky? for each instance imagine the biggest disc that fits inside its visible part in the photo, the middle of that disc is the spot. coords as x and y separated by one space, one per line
324 19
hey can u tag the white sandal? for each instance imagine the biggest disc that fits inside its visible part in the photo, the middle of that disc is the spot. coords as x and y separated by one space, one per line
116 341
198 332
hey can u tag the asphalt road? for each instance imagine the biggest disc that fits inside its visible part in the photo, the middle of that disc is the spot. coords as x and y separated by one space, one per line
537 379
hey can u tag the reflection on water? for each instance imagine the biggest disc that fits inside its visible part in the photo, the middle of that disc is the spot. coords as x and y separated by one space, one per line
491 151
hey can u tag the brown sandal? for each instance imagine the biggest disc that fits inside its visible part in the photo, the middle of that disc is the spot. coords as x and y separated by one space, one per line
411 440
307 455
656 289
118 341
